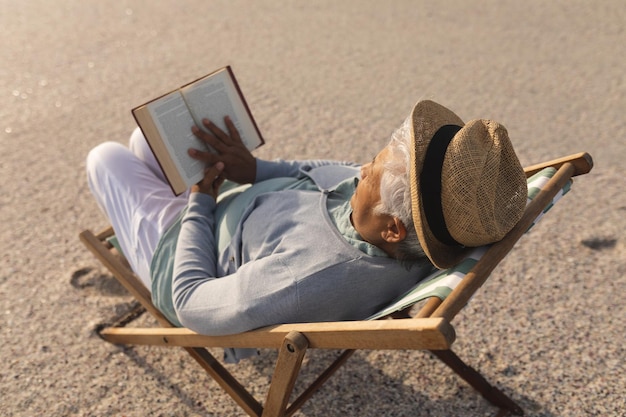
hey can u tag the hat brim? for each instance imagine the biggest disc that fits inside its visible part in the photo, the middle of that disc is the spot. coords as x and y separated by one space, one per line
427 118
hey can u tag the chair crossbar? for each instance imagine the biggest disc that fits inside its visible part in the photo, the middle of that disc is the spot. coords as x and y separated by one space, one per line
428 333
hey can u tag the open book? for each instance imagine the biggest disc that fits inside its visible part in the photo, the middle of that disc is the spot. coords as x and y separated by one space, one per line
166 123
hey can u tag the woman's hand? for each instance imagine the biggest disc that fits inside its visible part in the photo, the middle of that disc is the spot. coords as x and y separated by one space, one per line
211 182
239 164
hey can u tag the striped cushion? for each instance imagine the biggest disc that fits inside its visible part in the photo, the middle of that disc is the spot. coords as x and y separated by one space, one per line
441 283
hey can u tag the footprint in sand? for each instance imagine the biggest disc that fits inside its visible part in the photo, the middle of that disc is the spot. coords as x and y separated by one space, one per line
93 281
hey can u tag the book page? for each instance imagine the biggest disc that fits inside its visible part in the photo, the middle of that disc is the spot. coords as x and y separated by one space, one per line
215 97
174 122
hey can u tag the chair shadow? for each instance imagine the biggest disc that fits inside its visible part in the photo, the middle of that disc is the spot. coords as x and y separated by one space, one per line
363 387
182 393
359 388
95 282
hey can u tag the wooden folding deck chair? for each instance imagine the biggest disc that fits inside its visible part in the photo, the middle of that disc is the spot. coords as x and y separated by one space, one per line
430 329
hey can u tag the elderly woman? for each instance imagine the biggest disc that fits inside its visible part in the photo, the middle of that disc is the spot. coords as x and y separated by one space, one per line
308 240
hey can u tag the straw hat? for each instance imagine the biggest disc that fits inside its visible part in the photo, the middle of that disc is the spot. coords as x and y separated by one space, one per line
468 188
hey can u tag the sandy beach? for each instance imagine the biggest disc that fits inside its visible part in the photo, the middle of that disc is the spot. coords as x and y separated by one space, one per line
324 79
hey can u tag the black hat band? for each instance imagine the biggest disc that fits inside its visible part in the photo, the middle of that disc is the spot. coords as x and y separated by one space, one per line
430 183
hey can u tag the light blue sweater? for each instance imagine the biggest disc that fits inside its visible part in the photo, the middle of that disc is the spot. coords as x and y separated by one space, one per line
286 261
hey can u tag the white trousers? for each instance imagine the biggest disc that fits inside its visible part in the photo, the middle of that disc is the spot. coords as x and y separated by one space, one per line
131 190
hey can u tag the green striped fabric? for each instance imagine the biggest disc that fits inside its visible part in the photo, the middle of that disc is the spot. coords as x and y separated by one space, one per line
441 283
537 182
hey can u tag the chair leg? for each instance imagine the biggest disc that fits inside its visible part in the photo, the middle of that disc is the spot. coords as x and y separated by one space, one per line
228 383
478 382
288 365
317 384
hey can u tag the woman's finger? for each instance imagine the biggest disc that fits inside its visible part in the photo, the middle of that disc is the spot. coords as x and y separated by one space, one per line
211 181
214 171
216 131
217 183
209 157
232 130
209 138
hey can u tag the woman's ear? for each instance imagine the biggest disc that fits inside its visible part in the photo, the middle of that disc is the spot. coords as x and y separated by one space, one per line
395 231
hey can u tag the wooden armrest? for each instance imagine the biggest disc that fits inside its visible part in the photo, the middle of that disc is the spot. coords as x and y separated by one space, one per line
429 333
120 268
582 164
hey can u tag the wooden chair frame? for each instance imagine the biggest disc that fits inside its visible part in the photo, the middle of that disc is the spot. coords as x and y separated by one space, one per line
430 329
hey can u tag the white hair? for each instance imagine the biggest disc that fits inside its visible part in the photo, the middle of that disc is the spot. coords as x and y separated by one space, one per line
395 192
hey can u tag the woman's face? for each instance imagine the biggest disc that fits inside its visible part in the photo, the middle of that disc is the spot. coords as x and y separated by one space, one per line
366 197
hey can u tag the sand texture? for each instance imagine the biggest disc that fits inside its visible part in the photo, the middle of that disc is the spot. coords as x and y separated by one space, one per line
324 79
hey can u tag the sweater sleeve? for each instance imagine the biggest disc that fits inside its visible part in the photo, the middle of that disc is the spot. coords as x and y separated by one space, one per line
195 260
233 303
